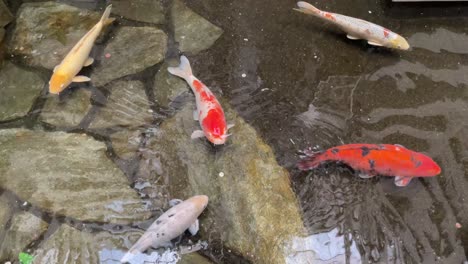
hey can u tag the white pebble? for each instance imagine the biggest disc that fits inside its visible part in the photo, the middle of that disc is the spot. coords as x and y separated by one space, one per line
25 203
221 174
244 75
246 39
370 12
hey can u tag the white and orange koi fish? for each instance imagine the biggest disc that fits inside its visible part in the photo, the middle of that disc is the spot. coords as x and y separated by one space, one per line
209 112
78 57
358 28
182 216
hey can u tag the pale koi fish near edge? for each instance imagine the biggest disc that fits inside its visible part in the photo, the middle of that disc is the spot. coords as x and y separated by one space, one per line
357 28
209 112
78 57
182 216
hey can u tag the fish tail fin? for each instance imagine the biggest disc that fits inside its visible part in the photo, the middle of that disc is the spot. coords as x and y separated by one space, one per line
307 8
311 160
105 16
184 70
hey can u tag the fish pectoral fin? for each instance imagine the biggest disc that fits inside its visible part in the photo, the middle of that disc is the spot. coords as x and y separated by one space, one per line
55 68
174 202
88 62
193 229
366 175
374 43
351 37
230 126
195 115
81 78
197 134
402 181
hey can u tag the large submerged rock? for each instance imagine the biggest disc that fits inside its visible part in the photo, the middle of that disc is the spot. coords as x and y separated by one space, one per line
127 105
167 87
5 15
252 208
132 50
192 32
66 111
24 229
67 174
19 89
45 32
150 11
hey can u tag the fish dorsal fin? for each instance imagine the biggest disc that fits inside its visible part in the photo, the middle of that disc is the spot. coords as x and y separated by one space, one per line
193 229
174 202
351 37
197 134
374 43
81 78
402 181
88 62
401 146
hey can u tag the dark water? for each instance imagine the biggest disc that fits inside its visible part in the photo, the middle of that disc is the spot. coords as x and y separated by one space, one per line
301 83
307 85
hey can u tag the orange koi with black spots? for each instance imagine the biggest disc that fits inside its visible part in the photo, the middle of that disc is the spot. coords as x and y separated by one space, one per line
376 159
209 112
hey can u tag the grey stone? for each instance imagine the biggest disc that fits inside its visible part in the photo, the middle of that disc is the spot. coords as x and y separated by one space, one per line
68 111
19 89
193 258
132 50
192 32
5 15
150 11
70 245
168 87
126 142
127 105
24 229
260 213
67 174
45 32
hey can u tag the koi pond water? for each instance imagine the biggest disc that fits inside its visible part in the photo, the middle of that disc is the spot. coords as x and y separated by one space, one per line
84 173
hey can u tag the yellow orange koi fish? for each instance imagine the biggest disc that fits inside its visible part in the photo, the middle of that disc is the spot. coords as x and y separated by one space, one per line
78 57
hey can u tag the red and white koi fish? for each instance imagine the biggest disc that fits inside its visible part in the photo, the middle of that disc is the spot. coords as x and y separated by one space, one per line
78 57
371 160
357 28
182 216
209 112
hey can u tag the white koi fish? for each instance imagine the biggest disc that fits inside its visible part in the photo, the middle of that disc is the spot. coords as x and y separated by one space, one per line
358 28
182 216
209 112
78 57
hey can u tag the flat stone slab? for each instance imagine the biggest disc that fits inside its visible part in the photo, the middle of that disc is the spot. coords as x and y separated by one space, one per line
46 31
193 32
19 89
68 175
129 54
150 11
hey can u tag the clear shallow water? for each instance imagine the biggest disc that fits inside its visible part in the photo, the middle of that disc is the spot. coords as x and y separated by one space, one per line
307 85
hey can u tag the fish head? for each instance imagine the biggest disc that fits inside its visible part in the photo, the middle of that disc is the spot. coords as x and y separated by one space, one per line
399 42
58 82
200 202
214 126
426 166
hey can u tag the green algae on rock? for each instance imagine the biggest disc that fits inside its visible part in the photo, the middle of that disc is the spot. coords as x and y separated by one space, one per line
252 208
129 55
45 32
68 111
192 32
24 229
67 175
19 89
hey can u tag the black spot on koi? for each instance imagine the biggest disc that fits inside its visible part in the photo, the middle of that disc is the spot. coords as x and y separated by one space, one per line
365 151
334 151
372 164
171 215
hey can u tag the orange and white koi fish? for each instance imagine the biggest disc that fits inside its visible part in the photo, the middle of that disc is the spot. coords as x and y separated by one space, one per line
78 57
182 216
357 28
209 112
